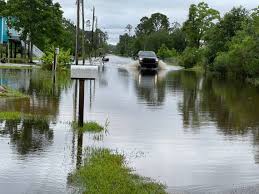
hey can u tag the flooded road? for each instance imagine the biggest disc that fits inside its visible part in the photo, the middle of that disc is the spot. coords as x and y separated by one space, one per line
194 133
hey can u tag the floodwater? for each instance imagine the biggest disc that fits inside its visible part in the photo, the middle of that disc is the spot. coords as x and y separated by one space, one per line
194 133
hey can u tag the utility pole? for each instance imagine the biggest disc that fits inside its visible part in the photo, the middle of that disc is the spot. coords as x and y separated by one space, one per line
96 37
83 29
93 29
77 30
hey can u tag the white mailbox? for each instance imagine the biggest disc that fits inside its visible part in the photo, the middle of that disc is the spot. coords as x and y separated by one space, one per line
84 72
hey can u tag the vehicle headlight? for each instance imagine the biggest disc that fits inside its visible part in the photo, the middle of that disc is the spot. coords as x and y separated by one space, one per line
157 59
141 59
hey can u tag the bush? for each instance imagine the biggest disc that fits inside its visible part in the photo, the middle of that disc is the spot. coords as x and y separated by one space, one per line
64 58
241 60
190 57
165 52
221 63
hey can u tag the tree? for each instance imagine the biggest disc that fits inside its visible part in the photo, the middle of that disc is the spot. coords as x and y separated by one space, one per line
2 6
156 23
219 35
39 20
129 29
144 27
159 22
201 19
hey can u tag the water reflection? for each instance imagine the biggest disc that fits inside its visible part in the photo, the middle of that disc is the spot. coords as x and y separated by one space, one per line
150 88
44 94
32 135
27 136
230 104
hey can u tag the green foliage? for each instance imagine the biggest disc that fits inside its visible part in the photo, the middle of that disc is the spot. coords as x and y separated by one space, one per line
107 172
92 127
157 22
190 57
11 93
40 20
201 19
218 36
164 52
64 58
15 116
10 115
242 58
227 45
147 38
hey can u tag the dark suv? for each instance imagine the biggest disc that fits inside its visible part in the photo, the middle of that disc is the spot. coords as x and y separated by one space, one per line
148 60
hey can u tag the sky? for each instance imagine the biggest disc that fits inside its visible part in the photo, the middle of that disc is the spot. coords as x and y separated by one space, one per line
114 15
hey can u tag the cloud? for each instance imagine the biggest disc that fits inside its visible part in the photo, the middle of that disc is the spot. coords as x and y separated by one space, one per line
114 15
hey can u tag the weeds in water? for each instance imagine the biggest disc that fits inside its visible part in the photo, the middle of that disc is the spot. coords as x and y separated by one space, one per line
107 173
10 93
91 126
10 115
17 67
19 115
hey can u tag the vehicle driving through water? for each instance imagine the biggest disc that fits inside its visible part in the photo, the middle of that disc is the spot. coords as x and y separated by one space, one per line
148 60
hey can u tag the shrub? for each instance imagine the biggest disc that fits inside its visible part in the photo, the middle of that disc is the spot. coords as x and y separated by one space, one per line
190 57
64 58
165 52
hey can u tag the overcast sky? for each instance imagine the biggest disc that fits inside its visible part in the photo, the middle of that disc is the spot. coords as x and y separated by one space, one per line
114 15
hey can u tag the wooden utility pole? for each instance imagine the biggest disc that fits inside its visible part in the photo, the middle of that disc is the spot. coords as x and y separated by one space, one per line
77 30
93 29
96 37
83 29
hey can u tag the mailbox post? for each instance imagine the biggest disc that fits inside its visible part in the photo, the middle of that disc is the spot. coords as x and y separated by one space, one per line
56 53
83 73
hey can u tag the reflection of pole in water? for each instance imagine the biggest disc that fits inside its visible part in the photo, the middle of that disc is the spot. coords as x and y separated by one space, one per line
81 102
79 150
90 94
80 122
74 118
53 83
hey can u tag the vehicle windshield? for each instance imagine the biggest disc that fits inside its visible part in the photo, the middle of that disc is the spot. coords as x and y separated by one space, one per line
147 54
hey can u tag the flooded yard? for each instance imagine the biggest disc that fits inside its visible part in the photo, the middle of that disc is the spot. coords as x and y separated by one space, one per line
192 132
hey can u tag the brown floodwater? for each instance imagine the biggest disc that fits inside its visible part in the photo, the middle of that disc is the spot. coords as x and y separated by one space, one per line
195 133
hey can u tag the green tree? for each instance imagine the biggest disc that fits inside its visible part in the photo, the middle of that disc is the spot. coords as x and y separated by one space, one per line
219 35
157 22
201 19
166 53
39 20
242 55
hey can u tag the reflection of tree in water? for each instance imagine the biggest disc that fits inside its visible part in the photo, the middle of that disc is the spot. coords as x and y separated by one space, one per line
43 83
34 134
28 135
188 83
150 88
233 106
43 90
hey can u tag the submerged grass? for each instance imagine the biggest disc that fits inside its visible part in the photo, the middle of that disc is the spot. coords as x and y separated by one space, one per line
107 173
14 116
16 67
10 93
10 115
92 127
